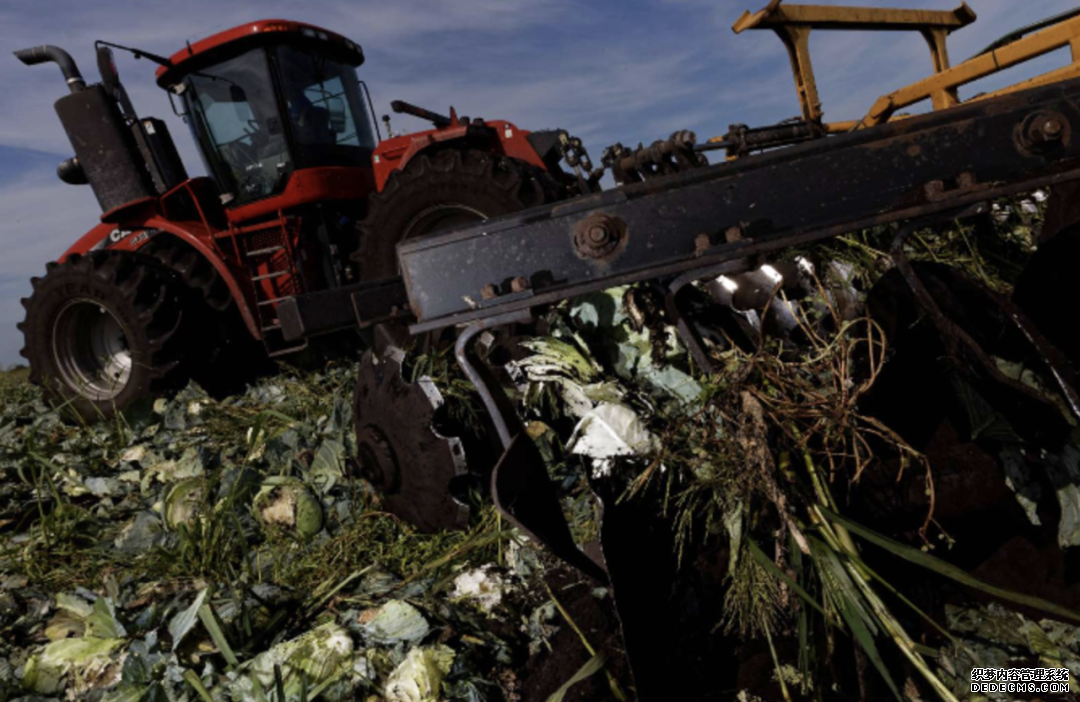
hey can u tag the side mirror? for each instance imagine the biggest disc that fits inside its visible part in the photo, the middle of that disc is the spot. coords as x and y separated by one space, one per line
339 120
107 67
110 78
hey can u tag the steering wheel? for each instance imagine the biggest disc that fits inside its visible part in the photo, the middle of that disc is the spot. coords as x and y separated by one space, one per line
240 153
255 182
248 153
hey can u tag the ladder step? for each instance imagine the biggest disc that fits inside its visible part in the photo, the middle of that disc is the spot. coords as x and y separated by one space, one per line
267 276
264 252
275 226
271 301
288 350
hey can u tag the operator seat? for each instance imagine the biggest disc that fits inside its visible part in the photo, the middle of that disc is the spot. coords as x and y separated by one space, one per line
315 128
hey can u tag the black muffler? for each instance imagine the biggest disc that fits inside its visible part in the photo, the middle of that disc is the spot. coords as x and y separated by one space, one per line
106 151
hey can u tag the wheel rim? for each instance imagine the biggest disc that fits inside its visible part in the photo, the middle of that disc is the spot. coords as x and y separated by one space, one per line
441 217
91 350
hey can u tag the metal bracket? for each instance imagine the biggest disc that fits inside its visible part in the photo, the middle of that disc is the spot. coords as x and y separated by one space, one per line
520 485
793 24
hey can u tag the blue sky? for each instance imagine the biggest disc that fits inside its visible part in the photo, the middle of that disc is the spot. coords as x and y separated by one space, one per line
607 70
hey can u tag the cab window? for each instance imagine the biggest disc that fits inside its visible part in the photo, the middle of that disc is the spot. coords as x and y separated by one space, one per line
235 117
326 111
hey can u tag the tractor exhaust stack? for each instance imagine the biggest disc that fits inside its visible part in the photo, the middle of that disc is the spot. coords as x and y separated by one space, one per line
46 53
107 154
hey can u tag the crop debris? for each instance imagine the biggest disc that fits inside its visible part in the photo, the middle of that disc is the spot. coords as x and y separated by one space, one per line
861 539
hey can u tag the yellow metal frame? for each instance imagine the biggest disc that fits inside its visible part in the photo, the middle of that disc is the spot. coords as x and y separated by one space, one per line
793 24
1053 38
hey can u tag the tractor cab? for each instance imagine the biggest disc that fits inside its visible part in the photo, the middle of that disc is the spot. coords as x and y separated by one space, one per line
269 99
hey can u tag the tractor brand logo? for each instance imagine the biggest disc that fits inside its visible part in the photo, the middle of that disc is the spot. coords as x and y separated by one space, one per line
118 235
144 235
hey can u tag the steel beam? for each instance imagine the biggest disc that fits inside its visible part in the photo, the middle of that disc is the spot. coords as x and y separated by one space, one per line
764 203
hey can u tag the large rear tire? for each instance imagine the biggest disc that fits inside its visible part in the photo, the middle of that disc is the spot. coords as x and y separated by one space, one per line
101 331
442 191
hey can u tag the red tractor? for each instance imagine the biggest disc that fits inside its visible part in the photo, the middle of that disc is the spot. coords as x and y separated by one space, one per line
292 233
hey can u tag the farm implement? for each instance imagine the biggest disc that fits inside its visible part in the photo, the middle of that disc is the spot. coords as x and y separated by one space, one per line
309 224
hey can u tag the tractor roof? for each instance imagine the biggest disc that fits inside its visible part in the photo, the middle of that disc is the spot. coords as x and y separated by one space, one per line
216 47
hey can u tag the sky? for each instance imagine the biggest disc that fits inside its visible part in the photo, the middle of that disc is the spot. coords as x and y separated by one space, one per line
606 70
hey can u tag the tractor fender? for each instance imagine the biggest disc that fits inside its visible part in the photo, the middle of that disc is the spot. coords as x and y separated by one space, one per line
394 154
133 237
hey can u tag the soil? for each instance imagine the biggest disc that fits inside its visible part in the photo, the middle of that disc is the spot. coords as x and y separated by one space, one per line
595 617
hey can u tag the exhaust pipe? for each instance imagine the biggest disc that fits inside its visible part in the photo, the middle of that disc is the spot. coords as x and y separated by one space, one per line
106 153
46 53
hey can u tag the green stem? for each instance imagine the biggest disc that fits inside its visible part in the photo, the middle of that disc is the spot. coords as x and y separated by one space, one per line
206 615
776 664
192 678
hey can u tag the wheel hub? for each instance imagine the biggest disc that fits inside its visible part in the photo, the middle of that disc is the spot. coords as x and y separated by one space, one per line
378 464
91 350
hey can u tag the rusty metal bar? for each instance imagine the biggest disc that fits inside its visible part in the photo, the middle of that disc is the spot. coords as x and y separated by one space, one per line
793 24
1056 37
1056 76
841 17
